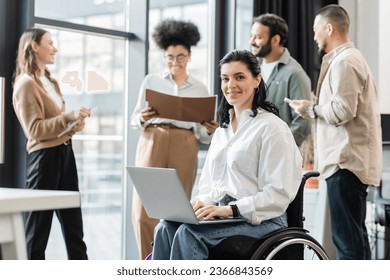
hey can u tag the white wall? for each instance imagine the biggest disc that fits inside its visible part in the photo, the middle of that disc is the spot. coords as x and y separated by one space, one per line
384 56
369 20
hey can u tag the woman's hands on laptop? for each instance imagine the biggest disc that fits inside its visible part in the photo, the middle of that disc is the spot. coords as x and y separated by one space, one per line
207 212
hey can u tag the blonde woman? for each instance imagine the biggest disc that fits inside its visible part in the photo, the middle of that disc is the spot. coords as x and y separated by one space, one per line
40 108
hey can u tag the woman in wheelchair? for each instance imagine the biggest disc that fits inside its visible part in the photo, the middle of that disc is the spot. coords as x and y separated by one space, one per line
253 168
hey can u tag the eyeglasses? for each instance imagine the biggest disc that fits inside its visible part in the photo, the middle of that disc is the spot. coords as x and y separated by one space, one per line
179 58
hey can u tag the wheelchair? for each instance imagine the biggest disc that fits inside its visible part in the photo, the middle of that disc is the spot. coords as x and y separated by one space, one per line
291 243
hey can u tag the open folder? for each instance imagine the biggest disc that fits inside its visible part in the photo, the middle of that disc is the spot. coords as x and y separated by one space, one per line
190 109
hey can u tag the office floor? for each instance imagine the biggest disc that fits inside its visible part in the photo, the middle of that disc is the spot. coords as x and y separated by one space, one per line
99 228
97 246
99 249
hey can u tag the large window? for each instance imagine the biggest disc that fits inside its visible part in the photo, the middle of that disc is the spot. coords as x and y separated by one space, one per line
190 10
90 68
244 17
109 14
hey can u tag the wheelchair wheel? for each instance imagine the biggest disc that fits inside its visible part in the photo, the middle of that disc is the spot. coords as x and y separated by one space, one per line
291 244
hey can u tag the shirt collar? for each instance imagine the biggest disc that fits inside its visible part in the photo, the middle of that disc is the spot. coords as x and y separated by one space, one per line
167 75
284 58
330 56
246 113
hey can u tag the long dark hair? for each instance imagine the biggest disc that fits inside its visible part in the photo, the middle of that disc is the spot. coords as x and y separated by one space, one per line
260 95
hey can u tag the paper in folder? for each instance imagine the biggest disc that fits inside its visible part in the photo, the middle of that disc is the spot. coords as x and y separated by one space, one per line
190 109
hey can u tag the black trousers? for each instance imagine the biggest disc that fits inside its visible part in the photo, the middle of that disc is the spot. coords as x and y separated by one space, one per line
54 169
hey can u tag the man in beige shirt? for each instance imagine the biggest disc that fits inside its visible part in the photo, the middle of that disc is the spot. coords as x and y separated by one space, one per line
349 148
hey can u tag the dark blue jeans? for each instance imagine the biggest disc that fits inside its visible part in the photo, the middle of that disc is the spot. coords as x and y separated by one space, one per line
347 202
175 241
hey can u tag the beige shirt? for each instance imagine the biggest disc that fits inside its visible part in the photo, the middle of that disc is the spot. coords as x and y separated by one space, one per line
41 119
349 135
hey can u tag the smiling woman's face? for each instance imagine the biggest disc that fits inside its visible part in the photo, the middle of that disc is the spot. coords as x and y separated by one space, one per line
176 59
238 84
44 50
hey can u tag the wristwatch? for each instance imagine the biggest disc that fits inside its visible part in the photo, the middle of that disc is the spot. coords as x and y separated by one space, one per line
311 112
235 210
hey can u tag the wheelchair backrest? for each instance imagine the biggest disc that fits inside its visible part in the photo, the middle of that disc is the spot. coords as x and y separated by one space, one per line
295 209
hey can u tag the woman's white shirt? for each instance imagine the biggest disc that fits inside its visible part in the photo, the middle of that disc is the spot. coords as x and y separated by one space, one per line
49 88
166 84
259 165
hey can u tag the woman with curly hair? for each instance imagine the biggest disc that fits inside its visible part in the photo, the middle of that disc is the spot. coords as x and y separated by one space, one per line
168 143
252 169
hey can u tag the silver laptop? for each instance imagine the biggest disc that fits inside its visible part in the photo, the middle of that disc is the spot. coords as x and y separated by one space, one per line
163 196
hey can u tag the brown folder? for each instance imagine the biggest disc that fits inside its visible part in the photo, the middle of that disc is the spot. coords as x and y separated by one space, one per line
190 109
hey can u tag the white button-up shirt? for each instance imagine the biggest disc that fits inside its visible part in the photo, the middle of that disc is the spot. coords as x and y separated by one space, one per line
166 84
259 165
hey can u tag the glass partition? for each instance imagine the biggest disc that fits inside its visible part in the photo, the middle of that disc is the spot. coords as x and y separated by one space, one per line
194 11
90 71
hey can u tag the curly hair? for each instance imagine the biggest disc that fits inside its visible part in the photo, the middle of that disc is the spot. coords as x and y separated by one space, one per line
171 32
